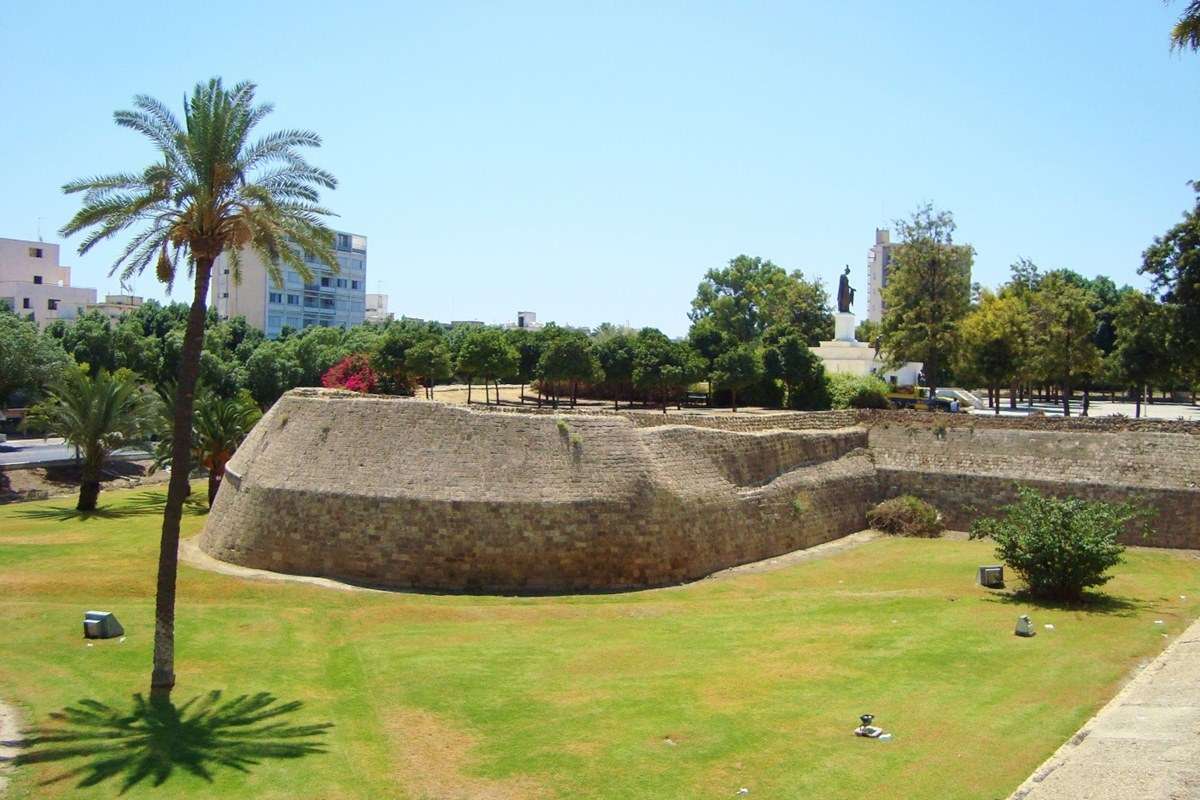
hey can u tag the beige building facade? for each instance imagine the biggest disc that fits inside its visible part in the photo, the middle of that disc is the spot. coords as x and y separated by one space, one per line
116 306
32 281
330 299
879 259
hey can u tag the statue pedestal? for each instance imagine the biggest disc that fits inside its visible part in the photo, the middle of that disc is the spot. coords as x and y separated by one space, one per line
843 327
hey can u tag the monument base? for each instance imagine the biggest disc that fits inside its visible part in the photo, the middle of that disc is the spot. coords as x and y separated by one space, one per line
843 327
846 354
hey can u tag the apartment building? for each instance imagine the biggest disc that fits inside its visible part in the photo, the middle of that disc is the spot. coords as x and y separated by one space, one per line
32 281
331 300
377 309
879 259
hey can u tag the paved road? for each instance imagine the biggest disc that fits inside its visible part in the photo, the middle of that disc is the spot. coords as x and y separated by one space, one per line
1103 408
26 452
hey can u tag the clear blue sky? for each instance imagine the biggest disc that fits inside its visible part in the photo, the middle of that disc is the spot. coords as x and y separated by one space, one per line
590 166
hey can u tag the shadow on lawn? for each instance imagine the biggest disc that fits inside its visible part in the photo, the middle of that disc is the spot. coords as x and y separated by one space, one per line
140 505
156 737
1092 602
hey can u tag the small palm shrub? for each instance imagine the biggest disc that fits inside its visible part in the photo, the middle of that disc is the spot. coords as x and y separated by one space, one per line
906 516
1058 547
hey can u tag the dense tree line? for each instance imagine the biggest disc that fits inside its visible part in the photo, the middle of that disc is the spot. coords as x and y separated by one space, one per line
1053 334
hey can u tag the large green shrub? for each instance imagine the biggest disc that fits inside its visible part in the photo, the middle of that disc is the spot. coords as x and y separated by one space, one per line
857 391
1058 547
906 516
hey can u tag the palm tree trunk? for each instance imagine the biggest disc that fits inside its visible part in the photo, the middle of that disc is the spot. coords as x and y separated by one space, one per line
468 391
162 679
89 486
214 482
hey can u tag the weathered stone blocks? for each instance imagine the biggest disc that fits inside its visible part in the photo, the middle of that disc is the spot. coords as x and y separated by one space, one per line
411 494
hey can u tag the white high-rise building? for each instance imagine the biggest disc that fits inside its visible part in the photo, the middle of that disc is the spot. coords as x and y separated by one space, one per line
879 259
33 282
331 300
377 309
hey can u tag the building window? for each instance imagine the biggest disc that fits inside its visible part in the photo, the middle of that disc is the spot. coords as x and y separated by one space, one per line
354 284
341 283
225 295
325 282
37 278
52 304
343 241
275 297
326 302
35 252
25 303
293 300
226 271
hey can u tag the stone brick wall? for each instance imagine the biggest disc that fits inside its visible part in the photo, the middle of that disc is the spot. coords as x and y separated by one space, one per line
749 422
413 494
424 495
968 471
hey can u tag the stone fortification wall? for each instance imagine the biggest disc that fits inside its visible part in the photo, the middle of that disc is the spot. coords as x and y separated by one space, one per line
748 422
966 471
413 494
406 493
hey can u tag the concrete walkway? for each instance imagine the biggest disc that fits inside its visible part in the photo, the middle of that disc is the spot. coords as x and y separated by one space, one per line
1143 745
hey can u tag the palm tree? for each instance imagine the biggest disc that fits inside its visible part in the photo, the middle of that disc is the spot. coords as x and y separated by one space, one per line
1186 33
219 425
97 415
211 190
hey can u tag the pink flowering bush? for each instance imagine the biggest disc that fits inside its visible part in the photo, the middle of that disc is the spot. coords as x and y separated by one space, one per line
353 372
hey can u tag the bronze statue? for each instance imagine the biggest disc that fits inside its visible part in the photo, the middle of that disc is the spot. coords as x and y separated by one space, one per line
845 292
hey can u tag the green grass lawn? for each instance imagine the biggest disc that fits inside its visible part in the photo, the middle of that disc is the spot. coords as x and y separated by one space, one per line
754 680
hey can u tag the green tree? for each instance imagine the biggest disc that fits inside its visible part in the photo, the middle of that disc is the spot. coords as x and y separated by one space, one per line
928 293
1062 349
429 360
271 370
740 301
485 353
570 358
736 369
663 367
803 375
89 340
29 361
316 349
616 355
1058 547
867 331
210 190
1141 344
96 414
529 345
1173 264
994 343
390 357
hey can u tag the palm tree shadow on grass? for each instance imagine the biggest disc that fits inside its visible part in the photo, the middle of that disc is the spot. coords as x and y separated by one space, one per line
155 738
140 505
